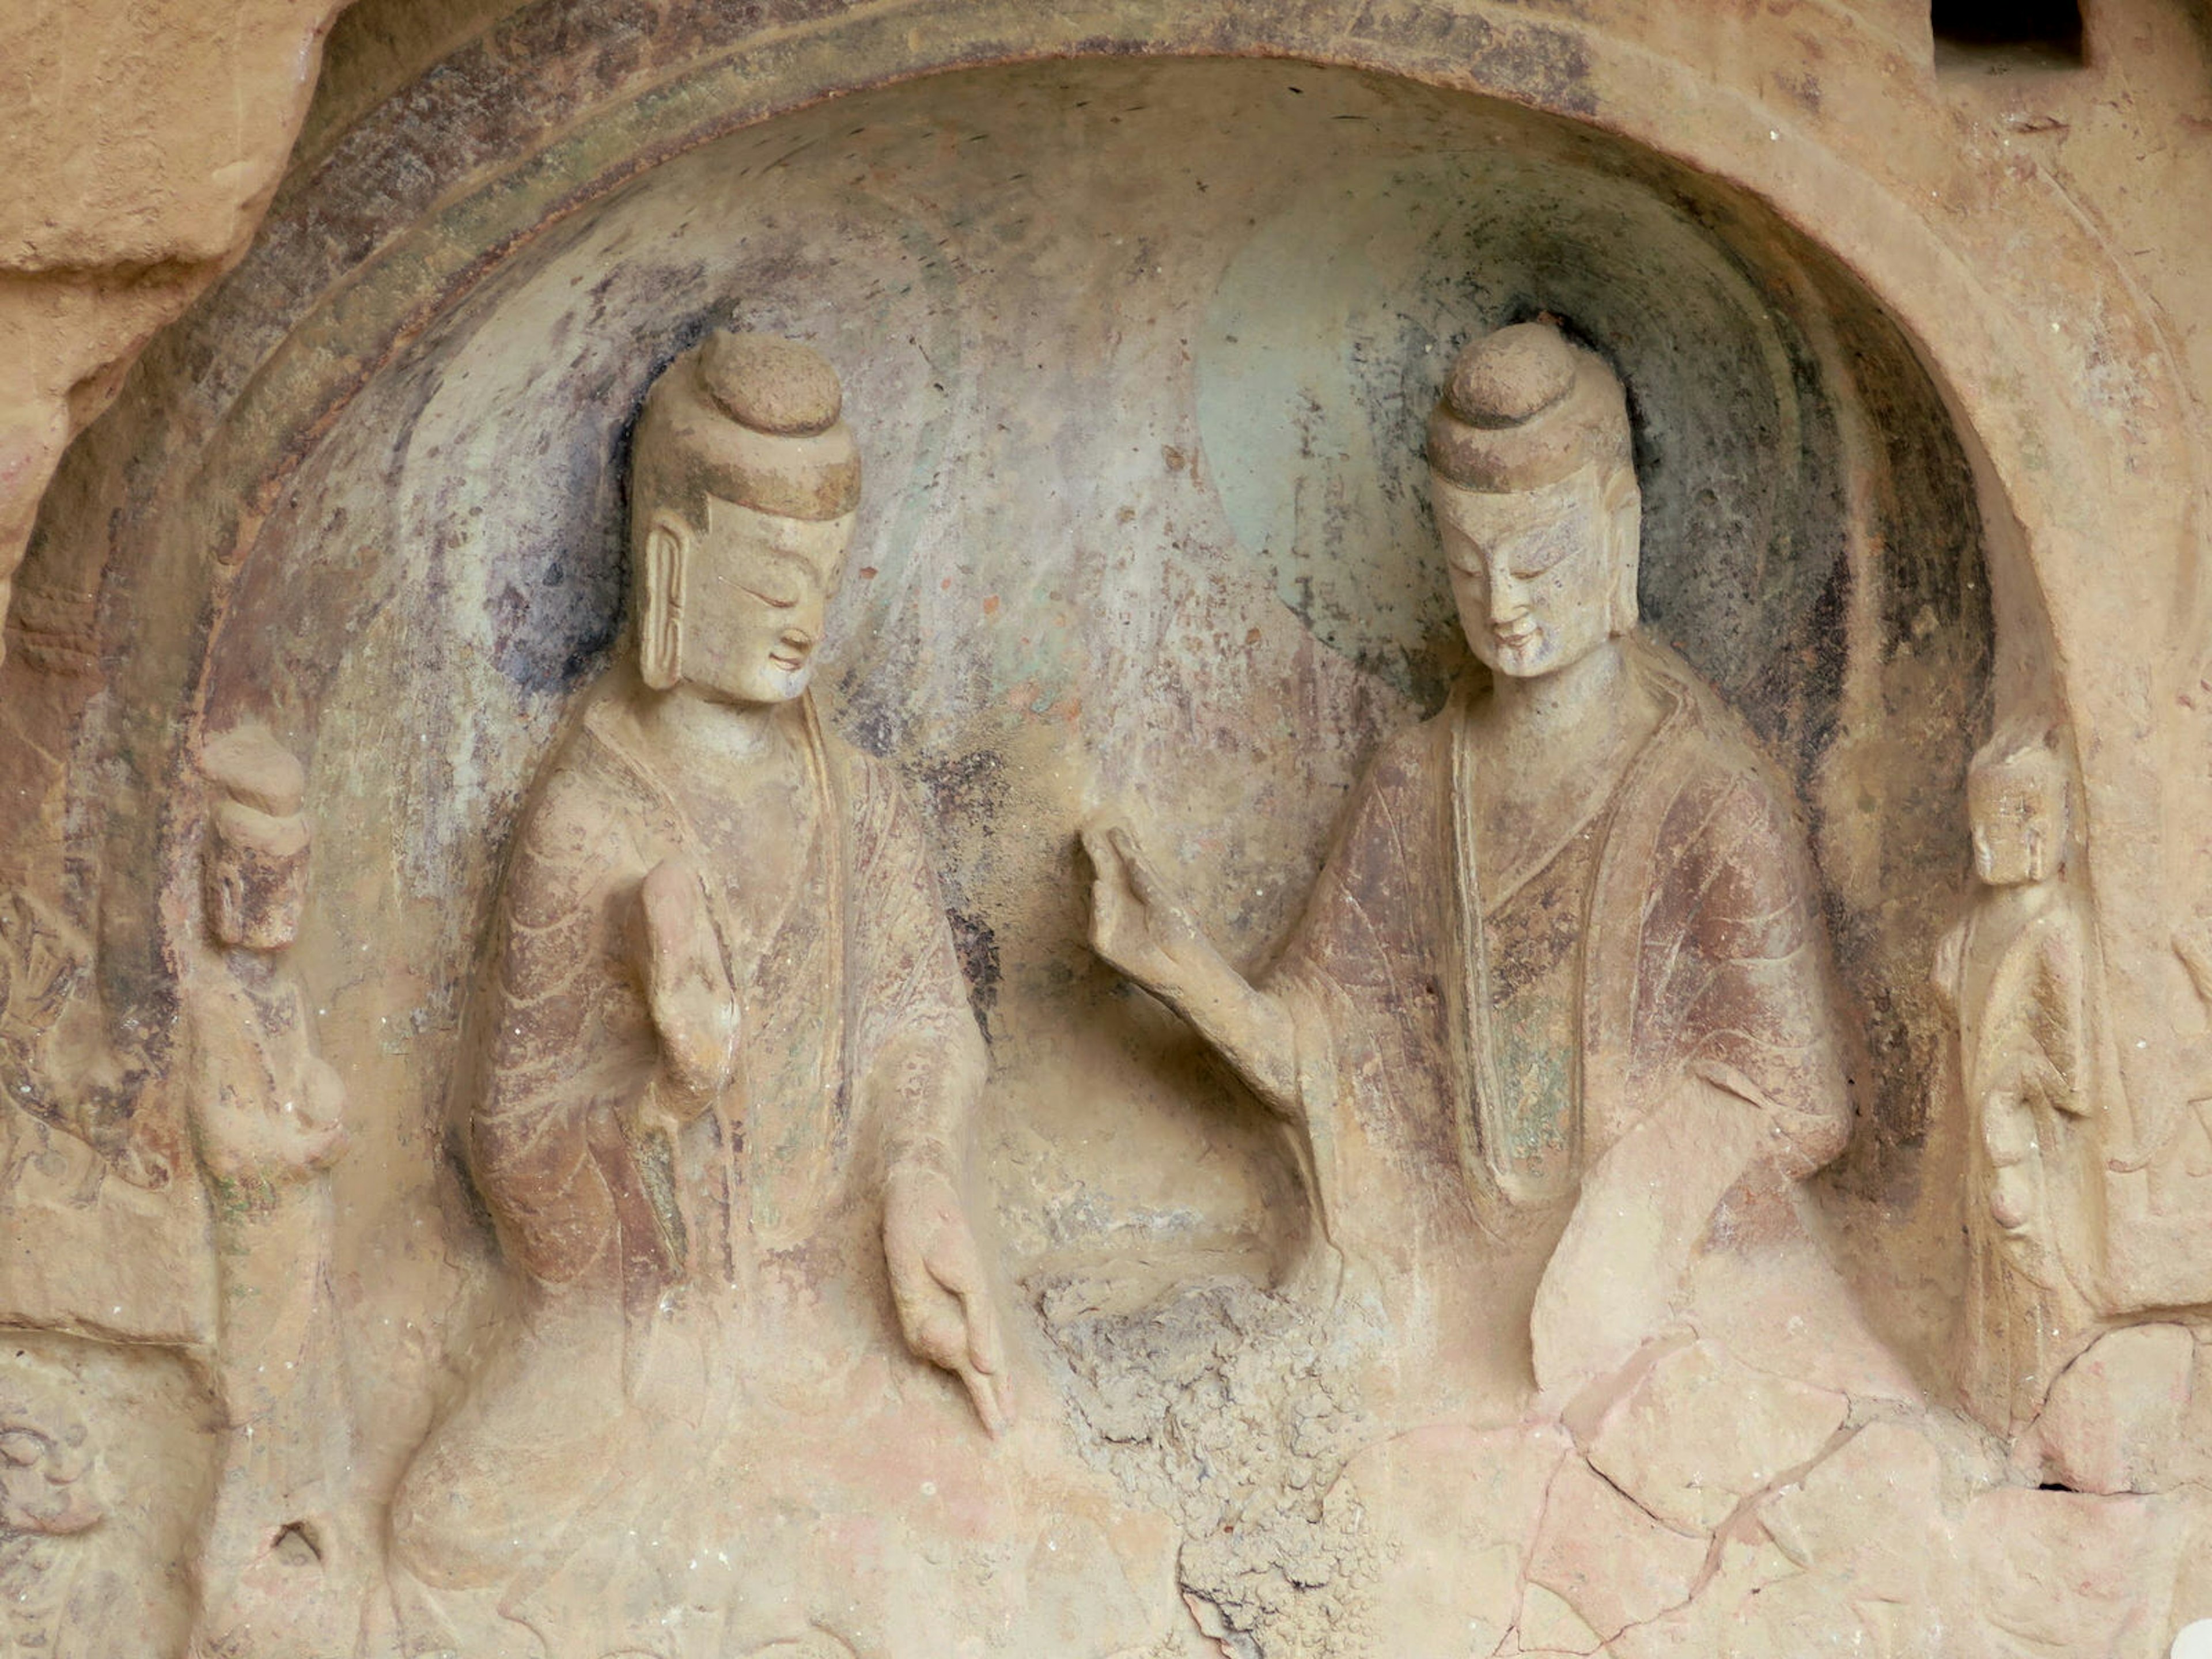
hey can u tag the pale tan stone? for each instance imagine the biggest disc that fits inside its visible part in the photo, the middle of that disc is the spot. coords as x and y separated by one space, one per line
1612 1563
1452 1511
2015 975
1756 1601
1605 1085
1548 1625
1702 1433
1869 1516
144 142
2062 1572
719 1111
1784 1307
2115 1418
1140 352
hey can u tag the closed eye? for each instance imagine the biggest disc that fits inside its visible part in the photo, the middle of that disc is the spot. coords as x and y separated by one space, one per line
1532 559
771 600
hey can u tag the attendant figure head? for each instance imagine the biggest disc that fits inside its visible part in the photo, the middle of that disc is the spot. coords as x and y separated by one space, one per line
744 481
2016 803
254 864
1534 483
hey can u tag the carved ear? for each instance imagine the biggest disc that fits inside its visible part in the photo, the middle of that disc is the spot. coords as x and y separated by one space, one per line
661 562
1622 613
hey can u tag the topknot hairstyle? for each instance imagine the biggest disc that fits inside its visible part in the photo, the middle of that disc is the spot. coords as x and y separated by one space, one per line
749 418
1524 407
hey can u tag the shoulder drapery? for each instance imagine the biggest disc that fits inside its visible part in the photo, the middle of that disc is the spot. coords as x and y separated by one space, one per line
561 1038
1704 954
1707 955
864 980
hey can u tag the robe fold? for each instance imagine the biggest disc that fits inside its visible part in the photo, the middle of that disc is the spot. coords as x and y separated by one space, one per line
1696 952
2014 973
860 964
682 1295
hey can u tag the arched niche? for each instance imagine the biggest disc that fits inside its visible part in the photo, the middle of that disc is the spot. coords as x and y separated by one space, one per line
1892 419
1139 355
2004 291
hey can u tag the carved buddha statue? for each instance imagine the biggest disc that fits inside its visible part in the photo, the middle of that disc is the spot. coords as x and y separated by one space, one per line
281 1560
722 1052
1565 951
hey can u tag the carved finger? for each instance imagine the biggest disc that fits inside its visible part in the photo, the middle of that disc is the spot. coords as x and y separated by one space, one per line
993 1403
981 1357
1097 848
985 1351
939 1336
1144 881
669 894
1163 903
1105 910
929 1313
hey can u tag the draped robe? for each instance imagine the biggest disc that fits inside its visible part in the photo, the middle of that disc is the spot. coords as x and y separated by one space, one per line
704 1368
2014 972
1692 950
859 961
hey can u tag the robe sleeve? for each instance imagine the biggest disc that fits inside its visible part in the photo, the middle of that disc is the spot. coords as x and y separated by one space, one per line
1736 966
1358 976
563 1042
919 1060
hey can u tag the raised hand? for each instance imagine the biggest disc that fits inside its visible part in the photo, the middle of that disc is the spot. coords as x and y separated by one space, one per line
943 1295
687 989
1138 923
252 1134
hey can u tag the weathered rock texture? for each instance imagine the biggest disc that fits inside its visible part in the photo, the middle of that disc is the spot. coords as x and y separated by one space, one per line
143 144
1140 312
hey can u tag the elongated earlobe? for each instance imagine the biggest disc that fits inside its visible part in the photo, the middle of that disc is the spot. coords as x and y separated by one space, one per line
1622 612
660 603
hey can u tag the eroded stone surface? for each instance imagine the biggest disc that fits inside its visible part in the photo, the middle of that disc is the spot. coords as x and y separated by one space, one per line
1702 1433
1140 359
1870 1515
2117 1418
2058 1572
1227 1409
1452 1513
145 142
1614 1564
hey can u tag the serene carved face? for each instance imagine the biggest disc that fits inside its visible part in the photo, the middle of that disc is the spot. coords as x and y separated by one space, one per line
1543 576
747 592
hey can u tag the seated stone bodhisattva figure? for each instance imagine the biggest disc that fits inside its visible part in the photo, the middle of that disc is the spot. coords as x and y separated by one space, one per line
1563 981
723 1065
